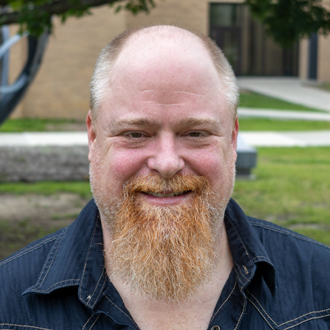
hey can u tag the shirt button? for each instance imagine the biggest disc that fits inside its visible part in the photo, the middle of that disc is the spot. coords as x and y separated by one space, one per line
215 327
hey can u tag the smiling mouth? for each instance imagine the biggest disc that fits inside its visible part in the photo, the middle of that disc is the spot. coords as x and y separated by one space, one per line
166 195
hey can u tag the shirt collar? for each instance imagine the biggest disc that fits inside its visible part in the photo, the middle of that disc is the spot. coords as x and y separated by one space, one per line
76 259
248 252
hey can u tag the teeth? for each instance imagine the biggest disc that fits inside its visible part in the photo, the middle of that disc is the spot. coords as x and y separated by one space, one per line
164 195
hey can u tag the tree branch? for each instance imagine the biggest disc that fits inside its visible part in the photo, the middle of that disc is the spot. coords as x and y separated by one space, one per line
53 8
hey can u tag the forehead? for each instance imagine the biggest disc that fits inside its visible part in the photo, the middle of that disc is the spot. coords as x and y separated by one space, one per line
172 74
163 60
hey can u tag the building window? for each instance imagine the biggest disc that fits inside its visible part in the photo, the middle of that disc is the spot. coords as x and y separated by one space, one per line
244 41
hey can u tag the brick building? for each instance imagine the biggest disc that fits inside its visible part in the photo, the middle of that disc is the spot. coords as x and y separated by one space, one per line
61 88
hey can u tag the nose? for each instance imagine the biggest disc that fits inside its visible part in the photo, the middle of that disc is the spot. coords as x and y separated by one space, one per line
166 159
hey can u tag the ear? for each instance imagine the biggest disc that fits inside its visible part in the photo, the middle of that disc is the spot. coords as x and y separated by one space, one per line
91 134
234 136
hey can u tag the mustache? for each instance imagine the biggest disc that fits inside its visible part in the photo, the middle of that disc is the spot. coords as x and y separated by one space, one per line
153 183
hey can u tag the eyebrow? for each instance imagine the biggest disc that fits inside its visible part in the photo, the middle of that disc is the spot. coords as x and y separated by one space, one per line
139 122
191 121
145 122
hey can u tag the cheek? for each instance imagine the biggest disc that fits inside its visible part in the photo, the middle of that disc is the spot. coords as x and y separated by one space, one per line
215 164
205 163
122 165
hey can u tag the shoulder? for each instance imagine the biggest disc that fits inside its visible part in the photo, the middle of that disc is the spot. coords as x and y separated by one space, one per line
53 262
273 235
260 235
302 275
26 264
32 254
301 263
21 270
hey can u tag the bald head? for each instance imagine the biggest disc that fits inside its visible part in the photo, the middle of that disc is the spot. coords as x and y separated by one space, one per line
163 55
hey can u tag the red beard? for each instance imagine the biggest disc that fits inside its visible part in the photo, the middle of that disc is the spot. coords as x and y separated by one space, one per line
164 252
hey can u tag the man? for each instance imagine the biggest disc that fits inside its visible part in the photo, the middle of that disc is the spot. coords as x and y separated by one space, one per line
164 246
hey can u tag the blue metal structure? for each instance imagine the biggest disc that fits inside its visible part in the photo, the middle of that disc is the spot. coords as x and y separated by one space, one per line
10 95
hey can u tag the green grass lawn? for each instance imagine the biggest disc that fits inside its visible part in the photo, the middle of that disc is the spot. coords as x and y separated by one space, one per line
324 86
292 189
37 125
254 100
81 188
265 124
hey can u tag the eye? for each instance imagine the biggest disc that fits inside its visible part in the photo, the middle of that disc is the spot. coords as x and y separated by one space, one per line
134 135
197 134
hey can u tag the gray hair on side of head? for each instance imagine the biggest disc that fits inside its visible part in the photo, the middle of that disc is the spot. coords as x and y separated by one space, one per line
225 72
102 70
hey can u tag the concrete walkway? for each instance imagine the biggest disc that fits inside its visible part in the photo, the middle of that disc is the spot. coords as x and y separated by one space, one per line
257 139
288 89
287 139
42 139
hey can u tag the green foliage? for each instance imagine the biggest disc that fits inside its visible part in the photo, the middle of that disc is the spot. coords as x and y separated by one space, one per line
285 20
35 21
289 20
135 6
35 15
75 13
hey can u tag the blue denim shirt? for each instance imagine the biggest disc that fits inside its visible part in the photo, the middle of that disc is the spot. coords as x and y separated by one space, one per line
280 280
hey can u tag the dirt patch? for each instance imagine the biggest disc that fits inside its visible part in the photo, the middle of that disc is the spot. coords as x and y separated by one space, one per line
25 218
60 208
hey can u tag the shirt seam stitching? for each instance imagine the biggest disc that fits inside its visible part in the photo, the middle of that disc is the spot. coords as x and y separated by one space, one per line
262 315
104 281
312 318
56 284
97 318
24 325
261 258
49 266
287 232
240 272
280 325
26 251
213 317
240 315
120 310
87 321
98 281
242 242
83 274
